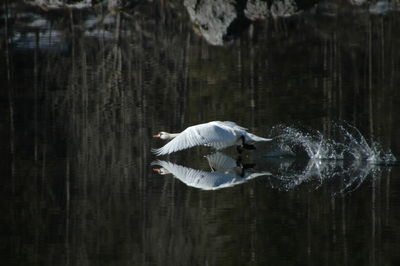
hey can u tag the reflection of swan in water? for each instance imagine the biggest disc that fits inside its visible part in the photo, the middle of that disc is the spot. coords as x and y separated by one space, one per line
341 176
216 134
220 162
226 173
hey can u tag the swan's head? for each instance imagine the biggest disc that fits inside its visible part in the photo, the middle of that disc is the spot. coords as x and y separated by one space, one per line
161 171
163 135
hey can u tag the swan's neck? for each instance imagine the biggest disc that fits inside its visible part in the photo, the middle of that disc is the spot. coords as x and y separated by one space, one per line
172 135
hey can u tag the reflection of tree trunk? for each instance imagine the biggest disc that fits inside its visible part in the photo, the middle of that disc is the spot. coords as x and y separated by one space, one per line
35 88
327 85
373 222
252 78
334 226
253 226
67 210
340 99
370 92
309 232
387 198
344 230
356 87
382 50
186 62
10 97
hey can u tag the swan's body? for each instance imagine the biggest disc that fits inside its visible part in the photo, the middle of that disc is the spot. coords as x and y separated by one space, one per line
208 180
216 134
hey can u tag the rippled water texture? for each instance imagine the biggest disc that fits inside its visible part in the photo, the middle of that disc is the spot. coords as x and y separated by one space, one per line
85 84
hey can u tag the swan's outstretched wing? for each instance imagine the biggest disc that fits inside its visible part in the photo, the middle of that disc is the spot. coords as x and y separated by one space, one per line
220 162
249 136
210 134
231 124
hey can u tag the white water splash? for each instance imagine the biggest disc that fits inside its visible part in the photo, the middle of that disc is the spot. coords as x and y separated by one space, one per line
344 160
347 143
342 177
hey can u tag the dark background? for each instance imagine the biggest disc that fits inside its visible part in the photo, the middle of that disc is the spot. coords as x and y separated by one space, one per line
83 90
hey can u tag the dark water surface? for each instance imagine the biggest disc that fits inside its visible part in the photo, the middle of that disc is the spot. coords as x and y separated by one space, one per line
83 91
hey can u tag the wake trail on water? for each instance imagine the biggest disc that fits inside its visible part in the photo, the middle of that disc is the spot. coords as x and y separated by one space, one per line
343 142
342 158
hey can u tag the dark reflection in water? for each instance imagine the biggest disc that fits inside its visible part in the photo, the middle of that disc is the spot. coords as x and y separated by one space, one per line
225 172
283 173
83 91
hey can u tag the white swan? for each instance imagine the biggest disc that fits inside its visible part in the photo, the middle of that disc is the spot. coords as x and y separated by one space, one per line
216 134
207 180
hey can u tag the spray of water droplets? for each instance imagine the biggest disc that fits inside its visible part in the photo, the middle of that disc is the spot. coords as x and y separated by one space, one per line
345 158
345 142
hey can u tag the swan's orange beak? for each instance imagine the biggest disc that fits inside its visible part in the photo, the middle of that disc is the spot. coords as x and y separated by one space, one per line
158 170
156 136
